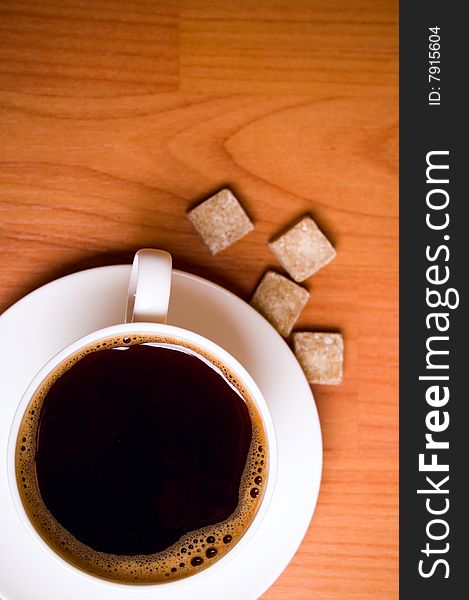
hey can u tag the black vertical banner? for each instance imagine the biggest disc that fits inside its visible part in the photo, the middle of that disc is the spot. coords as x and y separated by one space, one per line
434 269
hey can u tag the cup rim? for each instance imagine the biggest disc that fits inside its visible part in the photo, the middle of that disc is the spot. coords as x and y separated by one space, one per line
176 333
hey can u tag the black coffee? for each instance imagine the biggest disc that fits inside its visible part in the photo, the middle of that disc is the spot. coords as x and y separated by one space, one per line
141 462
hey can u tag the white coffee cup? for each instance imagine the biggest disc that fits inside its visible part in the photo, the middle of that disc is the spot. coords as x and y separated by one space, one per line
146 311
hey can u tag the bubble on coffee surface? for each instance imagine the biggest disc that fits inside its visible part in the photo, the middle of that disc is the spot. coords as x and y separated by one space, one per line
208 544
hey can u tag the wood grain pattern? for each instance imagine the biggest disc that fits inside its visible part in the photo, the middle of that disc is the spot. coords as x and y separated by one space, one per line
116 117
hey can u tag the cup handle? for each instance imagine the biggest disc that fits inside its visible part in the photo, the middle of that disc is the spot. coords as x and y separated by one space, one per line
149 287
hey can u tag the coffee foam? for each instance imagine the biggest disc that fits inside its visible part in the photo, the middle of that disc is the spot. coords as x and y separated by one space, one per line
195 550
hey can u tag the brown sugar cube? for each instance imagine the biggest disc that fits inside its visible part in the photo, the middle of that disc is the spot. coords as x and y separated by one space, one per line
321 355
303 249
220 221
280 301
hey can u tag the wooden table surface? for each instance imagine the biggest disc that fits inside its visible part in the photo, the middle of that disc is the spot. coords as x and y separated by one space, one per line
116 116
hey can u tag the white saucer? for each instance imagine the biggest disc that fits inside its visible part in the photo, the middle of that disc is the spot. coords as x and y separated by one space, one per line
46 320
